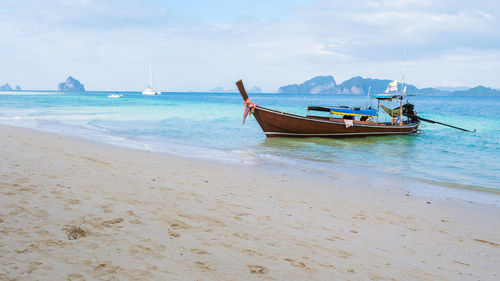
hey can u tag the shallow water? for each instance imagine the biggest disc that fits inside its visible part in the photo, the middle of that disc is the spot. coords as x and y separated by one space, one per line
208 125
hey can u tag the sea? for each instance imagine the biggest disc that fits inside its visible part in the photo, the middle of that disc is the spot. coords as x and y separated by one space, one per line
209 126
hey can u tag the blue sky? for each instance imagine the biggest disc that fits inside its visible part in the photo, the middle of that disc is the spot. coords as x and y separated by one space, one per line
199 45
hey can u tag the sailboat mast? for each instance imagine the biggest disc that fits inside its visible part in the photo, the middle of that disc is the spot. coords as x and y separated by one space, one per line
368 96
403 89
150 76
404 64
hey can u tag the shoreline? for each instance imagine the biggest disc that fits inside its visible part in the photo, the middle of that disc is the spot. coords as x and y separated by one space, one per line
426 188
137 214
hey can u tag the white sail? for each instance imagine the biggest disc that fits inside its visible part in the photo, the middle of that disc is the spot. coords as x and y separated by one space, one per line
150 90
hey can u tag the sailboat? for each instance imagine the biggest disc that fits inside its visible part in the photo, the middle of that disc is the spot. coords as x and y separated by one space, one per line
150 91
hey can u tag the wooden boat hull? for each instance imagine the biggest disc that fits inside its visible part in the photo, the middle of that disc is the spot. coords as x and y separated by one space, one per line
281 124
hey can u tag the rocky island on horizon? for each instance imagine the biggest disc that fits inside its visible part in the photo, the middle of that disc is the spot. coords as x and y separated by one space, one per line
7 87
70 85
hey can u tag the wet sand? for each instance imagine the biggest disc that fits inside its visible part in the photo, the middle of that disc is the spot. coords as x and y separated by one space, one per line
77 210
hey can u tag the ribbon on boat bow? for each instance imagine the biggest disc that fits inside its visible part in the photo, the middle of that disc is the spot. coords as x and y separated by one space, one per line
249 109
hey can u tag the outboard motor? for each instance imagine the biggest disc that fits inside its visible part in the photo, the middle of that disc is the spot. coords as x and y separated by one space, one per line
409 111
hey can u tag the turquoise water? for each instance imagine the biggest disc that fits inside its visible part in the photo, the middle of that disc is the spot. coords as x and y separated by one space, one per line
208 125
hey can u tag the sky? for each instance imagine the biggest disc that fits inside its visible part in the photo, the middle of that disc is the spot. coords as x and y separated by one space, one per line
199 45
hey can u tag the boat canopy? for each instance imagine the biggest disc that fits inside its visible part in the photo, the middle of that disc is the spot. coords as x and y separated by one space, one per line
344 110
387 97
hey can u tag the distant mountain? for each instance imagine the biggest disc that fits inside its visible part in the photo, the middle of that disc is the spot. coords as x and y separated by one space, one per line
217 90
255 89
71 85
479 90
452 89
433 91
360 85
316 85
476 91
6 87
222 90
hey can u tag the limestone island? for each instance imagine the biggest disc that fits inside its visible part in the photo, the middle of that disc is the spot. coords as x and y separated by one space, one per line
71 85
7 87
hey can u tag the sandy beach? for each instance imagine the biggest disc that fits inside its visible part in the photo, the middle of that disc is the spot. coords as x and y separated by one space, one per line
77 210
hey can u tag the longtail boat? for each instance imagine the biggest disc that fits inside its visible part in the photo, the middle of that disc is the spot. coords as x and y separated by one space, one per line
340 123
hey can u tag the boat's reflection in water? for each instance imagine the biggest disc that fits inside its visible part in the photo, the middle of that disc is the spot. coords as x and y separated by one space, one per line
361 142
386 152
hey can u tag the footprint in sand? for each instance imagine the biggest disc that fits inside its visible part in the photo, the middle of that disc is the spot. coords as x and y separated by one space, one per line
203 266
107 208
200 251
257 269
105 269
295 263
33 266
494 244
242 235
135 221
73 201
174 234
22 251
75 232
132 214
75 276
179 225
334 238
344 254
113 221
462 263
141 249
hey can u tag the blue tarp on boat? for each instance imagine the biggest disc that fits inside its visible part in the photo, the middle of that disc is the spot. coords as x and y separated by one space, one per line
354 112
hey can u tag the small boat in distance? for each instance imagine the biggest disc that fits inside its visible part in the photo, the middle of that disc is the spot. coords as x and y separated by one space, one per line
150 91
115 96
